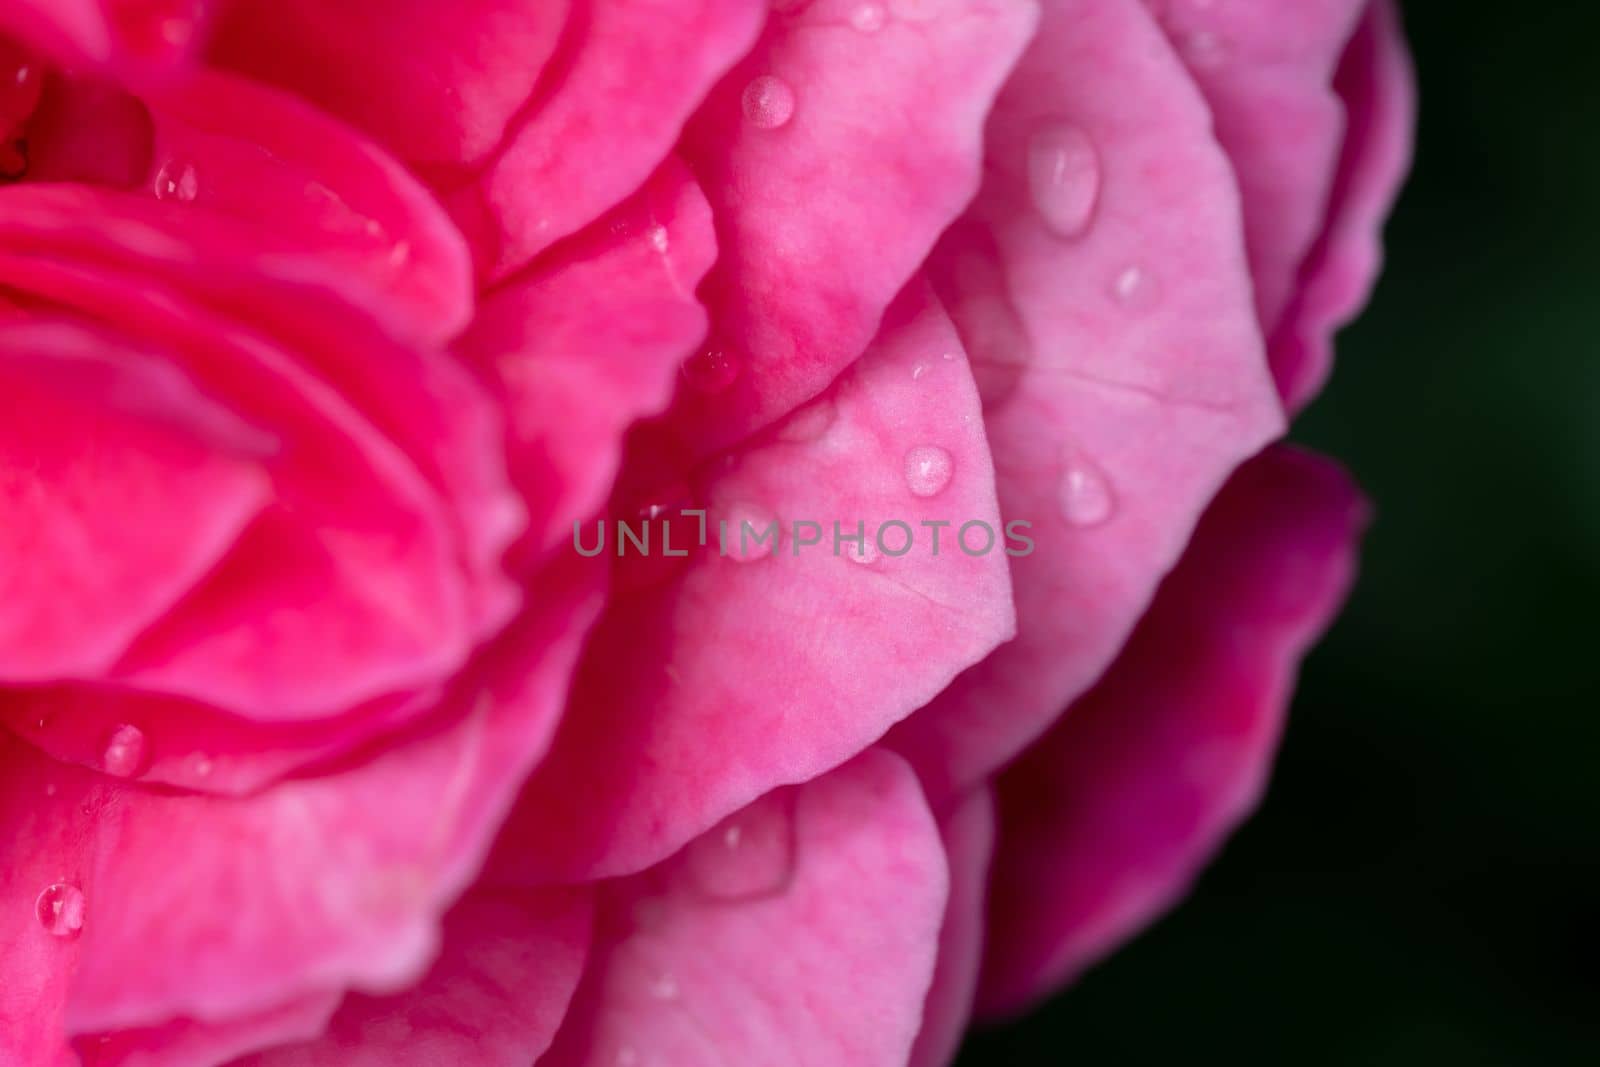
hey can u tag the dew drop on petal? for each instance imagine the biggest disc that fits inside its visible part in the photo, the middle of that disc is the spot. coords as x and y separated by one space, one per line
865 553
60 909
177 180
768 102
750 856
124 752
712 369
1086 497
1135 288
752 532
869 17
928 470
810 422
660 240
1064 177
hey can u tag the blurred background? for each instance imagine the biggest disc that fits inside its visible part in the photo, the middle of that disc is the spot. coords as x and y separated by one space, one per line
1423 882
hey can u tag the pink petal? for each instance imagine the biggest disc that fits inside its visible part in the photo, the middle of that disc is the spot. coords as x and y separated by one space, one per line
969 842
187 1043
629 74
1377 85
437 83
881 152
826 964
591 340
127 36
114 502
1105 821
728 677
1119 359
494 997
215 909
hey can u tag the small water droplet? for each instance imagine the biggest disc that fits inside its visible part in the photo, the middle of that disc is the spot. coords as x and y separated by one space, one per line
810 422
50 789
918 371
1086 496
948 357
203 766
177 180
869 17
124 752
1064 177
712 369
1135 289
768 102
660 240
749 856
752 533
864 553
928 470
60 909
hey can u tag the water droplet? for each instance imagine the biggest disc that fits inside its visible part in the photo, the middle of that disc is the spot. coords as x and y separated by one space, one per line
660 240
712 369
664 987
750 856
124 752
768 102
1064 177
202 766
752 532
60 909
948 357
810 422
864 553
177 180
50 789
869 17
928 470
918 371
1135 289
1086 496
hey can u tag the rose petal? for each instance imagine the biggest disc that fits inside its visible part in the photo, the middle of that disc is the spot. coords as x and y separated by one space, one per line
829 965
127 36
590 340
882 151
969 843
1121 363
630 73
1378 87
731 677
493 998
1105 821
186 1043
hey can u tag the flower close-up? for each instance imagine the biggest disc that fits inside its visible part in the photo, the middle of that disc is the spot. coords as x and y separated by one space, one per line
651 533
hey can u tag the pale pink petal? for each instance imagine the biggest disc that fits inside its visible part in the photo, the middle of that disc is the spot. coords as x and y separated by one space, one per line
126 36
590 340
1119 359
1104 823
629 73
187 1043
969 843
709 684
801 932
833 157
1377 85
494 998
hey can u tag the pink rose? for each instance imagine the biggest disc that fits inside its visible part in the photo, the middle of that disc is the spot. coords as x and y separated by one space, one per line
333 335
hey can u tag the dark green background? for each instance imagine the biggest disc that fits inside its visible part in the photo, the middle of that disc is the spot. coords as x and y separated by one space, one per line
1423 883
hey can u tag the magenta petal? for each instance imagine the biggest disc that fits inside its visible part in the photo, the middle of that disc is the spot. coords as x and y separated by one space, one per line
1119 358
187 1043
733 676
969 843
631 72
823 962
129 37
494 998
1105 821
1377 86
875 148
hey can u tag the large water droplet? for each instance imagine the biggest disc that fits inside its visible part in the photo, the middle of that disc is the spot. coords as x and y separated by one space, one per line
1064 177
928 470
1086 496
869 17
1135 288
60 909
712 369
124 752
177 180
768 102
752 532
751 855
